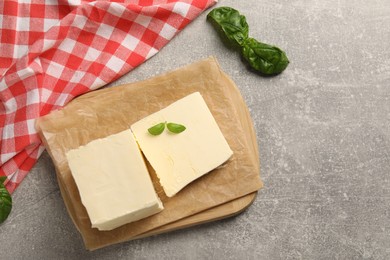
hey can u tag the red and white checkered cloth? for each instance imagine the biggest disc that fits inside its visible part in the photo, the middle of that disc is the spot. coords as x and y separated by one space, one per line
54 50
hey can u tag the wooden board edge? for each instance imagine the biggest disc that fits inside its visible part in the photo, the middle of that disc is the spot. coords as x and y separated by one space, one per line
223 211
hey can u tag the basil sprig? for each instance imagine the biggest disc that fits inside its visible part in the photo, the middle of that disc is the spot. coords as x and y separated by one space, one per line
264 58
172 127
5 200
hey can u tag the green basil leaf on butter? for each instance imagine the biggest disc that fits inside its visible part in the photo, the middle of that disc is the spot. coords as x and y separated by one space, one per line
264 58
5 201
157 129
175 128
231 23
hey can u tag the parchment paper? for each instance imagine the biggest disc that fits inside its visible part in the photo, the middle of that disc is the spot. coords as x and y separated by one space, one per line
104 112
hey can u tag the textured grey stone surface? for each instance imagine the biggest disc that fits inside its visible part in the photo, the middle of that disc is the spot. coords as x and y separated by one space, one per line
323 129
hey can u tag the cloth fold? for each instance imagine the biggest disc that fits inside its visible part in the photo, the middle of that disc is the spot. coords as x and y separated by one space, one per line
51 51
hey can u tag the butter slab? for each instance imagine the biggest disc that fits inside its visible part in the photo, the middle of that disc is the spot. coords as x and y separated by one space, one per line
179 159
113 181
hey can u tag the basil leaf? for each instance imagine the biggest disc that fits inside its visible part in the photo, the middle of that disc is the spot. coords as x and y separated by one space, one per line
157 129
5 202
264 58
176 128
231 23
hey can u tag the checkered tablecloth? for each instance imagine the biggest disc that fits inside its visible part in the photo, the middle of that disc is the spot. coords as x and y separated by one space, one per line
54 50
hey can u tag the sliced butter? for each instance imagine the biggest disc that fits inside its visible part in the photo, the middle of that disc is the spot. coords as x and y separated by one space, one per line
179 159
113 181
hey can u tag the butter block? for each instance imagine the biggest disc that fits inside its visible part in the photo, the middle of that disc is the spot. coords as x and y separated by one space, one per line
179 159
113 181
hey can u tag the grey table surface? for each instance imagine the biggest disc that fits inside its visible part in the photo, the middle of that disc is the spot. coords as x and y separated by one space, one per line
323 130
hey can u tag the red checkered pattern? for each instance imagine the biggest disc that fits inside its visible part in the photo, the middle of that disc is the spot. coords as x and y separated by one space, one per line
54 50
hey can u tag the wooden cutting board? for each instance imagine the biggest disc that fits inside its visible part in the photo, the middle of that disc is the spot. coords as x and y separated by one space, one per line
224 192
